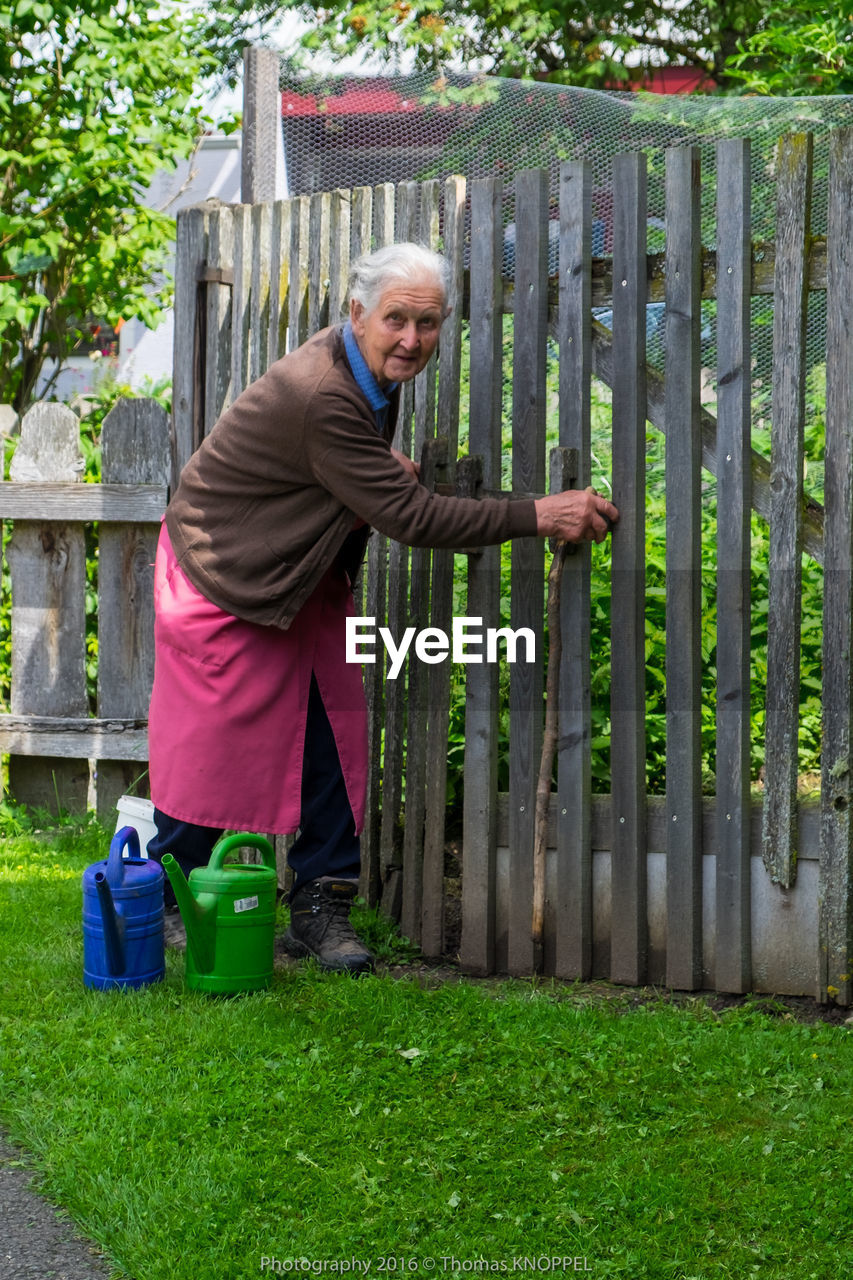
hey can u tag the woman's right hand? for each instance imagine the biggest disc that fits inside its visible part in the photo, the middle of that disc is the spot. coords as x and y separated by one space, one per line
575 515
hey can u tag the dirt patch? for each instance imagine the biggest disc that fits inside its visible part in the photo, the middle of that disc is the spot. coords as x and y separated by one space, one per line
787 1008
430 974
434 973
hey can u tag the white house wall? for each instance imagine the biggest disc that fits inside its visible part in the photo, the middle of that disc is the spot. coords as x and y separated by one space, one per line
145 355
212 174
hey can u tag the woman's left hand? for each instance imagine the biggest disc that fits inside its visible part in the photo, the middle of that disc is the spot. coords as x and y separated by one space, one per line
408 464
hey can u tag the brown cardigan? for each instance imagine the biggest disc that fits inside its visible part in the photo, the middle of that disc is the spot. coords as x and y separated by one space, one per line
267 501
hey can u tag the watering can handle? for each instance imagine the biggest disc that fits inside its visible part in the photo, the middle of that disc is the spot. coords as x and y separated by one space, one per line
240 842
124 837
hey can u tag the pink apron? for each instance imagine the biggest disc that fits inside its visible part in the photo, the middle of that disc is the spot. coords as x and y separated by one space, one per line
226 728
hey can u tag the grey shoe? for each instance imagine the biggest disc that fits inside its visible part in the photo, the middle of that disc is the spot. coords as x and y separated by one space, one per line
320 926
174 929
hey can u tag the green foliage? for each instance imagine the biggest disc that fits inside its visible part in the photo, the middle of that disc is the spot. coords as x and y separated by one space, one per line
225 29
95 99
329 1118
566 41
382 935
801 48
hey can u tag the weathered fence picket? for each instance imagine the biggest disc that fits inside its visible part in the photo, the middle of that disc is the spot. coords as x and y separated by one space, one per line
189 374
835 892
420 439
733 971
630 894
628 876
683 572
319 220
786 504
297 327
134 450
241 300
415 769
280 233
441 604
216 338
479 819
339 255
373 218
259 312
530 332
572 893
405 227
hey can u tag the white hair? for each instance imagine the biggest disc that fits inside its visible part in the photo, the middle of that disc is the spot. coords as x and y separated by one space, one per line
372 273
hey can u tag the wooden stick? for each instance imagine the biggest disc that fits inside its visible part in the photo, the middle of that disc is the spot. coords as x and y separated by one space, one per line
549 747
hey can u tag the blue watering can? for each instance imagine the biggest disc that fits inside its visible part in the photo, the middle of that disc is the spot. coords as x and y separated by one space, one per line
123 917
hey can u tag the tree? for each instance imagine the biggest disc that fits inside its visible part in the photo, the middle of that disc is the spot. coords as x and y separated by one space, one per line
95 98
592 43
800 49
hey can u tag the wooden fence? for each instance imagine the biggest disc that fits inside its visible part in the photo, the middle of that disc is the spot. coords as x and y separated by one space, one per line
689 890
51 734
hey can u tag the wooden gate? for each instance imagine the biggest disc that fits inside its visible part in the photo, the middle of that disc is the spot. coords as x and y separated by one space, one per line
734 891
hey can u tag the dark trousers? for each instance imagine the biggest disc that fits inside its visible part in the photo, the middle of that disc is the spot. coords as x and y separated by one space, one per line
327 844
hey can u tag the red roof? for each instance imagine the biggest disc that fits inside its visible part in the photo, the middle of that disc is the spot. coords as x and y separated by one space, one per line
379 99
670 80
352 102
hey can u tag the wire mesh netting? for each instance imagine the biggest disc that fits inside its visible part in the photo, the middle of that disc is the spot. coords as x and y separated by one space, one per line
357 131
352 131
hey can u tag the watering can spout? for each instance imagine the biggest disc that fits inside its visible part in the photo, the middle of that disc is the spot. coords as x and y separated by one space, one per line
114 949
198 921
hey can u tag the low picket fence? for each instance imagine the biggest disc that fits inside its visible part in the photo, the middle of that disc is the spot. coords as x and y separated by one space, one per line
55 737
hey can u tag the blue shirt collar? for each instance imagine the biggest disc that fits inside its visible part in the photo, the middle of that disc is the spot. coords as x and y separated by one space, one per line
376 397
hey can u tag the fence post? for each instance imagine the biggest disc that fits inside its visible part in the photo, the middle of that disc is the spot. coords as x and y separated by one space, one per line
47 566
135 442
261 125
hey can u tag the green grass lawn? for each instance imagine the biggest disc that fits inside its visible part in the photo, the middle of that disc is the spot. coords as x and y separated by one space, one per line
467 1126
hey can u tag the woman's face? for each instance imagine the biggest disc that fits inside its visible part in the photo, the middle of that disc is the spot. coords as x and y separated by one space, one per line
400 334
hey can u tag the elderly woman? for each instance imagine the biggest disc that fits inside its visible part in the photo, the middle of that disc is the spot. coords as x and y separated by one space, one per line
257 721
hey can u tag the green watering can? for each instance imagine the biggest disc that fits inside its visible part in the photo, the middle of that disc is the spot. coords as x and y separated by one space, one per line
229 912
